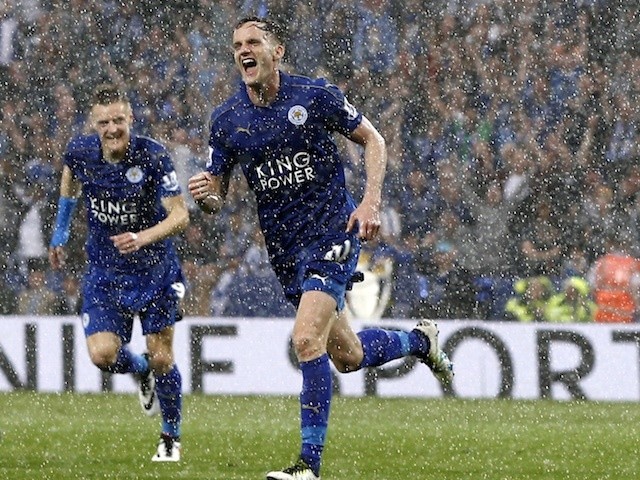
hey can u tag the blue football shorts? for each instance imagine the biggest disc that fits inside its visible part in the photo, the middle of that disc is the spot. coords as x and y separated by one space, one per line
112 300
328 265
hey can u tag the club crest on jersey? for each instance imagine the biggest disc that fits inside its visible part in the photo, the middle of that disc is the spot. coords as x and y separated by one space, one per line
298 115
134 174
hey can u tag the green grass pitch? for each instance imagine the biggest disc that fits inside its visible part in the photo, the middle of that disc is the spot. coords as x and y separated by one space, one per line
106 436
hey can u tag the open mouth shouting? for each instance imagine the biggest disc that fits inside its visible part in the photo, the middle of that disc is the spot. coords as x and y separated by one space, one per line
250 67
114 146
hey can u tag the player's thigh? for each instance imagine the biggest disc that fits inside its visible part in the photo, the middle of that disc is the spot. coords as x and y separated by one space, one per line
314 318
161 312
344 346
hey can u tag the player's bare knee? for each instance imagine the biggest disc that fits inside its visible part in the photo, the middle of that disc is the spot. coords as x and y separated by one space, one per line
103 358
160 362
306 347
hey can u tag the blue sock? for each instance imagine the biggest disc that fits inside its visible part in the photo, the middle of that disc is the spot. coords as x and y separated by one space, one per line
169 391
128 362
381 346
315 403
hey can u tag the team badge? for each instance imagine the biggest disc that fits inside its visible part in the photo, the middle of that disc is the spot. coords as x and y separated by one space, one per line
298 115
134 174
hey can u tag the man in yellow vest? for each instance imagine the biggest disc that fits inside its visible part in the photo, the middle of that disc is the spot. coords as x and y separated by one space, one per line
573 303
531 302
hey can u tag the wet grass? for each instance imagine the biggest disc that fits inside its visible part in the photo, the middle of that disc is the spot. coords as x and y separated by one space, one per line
72 436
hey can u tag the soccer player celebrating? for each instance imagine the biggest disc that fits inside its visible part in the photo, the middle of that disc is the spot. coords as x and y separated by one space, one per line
279 128
133 204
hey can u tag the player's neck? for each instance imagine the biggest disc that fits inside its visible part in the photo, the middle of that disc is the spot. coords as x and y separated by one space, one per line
264 94
113 157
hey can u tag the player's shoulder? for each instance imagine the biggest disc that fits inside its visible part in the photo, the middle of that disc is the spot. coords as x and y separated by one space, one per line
83 143
311 86
226 108
148 144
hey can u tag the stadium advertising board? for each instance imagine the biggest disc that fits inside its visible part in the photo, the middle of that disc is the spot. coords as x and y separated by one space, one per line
253 356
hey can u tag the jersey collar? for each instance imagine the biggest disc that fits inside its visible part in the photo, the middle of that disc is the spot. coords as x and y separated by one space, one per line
285 82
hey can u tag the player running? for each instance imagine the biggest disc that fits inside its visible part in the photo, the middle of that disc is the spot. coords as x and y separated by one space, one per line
279 129
133 205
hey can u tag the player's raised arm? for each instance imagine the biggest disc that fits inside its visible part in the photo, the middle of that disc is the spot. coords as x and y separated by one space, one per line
69 191
367 215
209 191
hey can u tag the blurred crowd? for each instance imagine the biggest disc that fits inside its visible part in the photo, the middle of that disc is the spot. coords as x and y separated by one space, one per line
512 129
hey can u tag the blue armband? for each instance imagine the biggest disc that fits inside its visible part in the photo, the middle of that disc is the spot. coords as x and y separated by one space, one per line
66 206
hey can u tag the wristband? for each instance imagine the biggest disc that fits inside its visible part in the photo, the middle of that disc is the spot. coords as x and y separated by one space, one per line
66 206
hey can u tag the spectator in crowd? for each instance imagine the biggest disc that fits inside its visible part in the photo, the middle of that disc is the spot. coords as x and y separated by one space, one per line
8 292
375 39
446 289
573 303
540 245
487 246
484 169
36 198
254 274
36 298
337 40
615 281
201 264
69 298
531 302
603 218
516 172
8 32
624 138
416 199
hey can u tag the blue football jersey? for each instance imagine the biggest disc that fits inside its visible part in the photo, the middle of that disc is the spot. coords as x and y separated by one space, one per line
121 197
290 159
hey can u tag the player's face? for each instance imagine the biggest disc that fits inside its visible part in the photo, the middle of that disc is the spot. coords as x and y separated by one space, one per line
256 54
113 124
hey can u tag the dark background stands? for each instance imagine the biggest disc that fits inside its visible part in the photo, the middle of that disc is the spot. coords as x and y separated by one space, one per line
512 129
